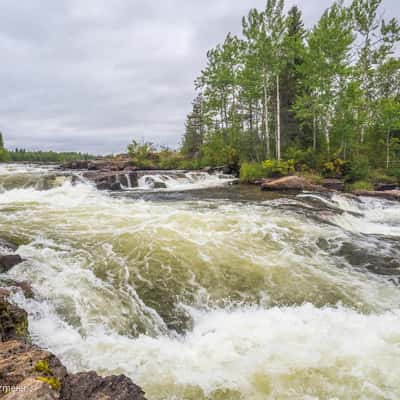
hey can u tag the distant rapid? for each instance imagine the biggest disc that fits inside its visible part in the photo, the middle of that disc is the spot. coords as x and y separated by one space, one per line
206 290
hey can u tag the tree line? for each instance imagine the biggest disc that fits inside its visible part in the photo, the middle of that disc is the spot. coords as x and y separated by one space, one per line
23 155
281 91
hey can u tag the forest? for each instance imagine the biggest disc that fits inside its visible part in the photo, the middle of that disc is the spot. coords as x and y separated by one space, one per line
23 155
282 97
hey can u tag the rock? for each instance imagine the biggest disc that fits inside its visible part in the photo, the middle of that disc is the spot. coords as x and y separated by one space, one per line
333 184
20 361
23 285
13 320
386 186
32 389
294 183
103 186
90 386
8 245
115 186
8 261
154 184
393 195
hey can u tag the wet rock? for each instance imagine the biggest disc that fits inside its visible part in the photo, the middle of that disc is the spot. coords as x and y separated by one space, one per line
90 386
333 184
8 261
77 164
13 320
155 184
116 186
23 285
294 183
393 195
386 186
20 360
103 186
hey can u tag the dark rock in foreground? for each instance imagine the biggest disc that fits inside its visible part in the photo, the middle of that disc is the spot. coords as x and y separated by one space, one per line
90 386
28 372
8 261
13 320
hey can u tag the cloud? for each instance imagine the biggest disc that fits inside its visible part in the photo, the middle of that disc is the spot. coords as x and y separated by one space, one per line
92 75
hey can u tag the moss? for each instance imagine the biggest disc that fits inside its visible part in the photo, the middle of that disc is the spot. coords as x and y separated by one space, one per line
43 367
52 381
21 329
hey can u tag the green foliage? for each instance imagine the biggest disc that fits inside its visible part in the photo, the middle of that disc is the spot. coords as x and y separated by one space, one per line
358 169
143 155
52 381
334 88
42 366
20 155
250 172
336 168
361 185
276 168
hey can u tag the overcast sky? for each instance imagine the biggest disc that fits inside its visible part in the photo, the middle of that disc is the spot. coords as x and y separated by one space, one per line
91 75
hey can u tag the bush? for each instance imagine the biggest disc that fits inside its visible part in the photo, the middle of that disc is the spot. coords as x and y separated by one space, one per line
335 168
249 172
275 168
358 170
361 185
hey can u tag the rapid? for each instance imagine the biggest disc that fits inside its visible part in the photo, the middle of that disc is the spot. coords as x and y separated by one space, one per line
206 290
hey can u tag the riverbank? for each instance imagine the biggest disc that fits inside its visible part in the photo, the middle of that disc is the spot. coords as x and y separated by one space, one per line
28 372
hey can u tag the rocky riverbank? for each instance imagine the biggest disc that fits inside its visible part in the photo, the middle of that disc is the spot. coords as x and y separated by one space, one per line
28 372
299 183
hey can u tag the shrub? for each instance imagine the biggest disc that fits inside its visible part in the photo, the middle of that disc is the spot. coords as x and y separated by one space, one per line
335 168
249 172
275 168
361 185
358 170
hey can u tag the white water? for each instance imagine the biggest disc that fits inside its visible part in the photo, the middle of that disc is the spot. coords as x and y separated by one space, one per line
270 314
184 181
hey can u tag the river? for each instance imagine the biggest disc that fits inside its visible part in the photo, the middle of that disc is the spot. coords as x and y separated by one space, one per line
206 290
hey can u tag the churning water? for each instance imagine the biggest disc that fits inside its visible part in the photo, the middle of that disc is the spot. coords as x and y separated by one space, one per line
213 294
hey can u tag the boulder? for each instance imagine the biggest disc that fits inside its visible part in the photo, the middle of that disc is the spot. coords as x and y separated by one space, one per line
23 285
116 186
393 195
20 361
333 184
8 261
13 320
386 186
90 386
292 183
32 389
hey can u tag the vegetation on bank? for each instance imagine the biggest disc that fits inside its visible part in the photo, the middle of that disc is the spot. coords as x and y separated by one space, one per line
317 96
22 155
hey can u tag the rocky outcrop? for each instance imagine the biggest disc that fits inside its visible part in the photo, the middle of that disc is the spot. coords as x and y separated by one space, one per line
90 386
28 372
107 180
13 320
386 186
98 165
393 195
8 261
333 184
289 183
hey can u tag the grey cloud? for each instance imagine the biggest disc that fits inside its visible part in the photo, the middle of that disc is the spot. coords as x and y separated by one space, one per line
92 75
